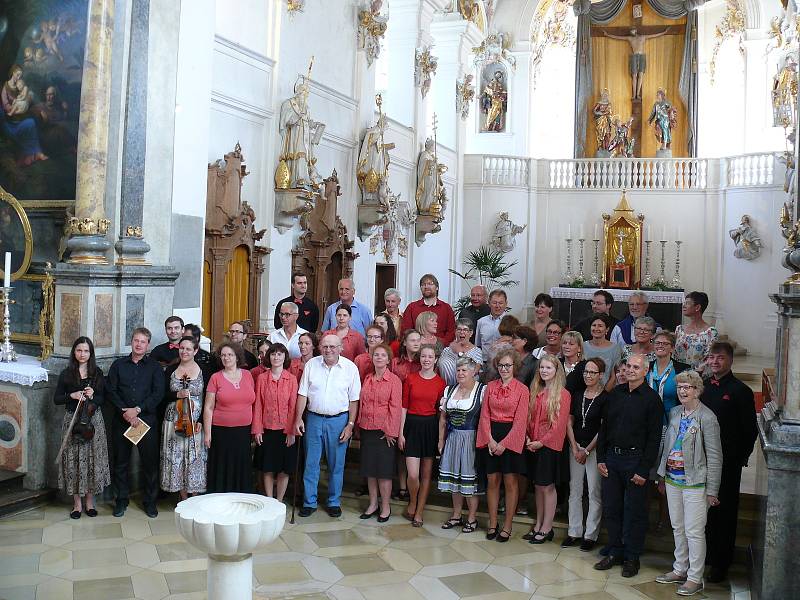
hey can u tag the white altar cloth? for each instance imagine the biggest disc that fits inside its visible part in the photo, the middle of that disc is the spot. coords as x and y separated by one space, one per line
655 296
26 370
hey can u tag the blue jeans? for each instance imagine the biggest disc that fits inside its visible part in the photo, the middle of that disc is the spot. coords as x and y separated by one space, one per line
323 434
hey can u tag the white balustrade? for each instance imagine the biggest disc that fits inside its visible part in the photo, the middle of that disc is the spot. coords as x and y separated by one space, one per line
751 169
628 173
506 170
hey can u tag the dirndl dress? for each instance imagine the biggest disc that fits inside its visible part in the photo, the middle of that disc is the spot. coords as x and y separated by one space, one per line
458 471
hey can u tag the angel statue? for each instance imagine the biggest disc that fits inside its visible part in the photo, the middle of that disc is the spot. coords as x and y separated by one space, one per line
748 242
299 134
465 93
494 102
505 232
621 143
664 118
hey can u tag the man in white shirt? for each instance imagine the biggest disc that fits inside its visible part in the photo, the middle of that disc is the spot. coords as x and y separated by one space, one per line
289 334
329 388
486 330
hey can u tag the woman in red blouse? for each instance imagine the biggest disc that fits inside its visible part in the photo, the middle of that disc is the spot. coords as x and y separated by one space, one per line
419 430
364 361
352 340
501 435
379 422
227 417
547 428
408 361
389 332
308 350
263 362
273 422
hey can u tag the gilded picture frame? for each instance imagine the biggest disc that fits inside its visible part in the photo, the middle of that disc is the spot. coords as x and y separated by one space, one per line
15 235
33 314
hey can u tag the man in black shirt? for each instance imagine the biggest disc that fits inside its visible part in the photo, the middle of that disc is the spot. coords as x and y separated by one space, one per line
477 308
308 317
733 404
135 388
627 448
602 301
237 333
166 354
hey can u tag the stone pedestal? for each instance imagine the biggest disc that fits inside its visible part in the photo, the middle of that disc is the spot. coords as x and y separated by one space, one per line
775 561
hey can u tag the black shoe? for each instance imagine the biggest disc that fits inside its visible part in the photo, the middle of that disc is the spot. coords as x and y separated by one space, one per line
366 515
542 537
716 575
605 550
119 508
530 535
335 512
569 542
630 567
608 562
150 510
384 519
491 533
307 511
75 514
91 512
587 545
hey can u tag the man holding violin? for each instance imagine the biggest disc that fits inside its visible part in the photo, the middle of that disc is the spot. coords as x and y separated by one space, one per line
135 388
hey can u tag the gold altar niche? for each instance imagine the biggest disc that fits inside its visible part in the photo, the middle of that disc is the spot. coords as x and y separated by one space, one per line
622 246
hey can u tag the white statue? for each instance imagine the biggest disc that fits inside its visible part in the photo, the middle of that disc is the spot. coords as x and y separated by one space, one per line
748 242
371 29
373 160
428 181
465 94
299 134
505 233
425 65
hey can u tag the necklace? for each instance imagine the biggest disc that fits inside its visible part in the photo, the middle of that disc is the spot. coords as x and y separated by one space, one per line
585 409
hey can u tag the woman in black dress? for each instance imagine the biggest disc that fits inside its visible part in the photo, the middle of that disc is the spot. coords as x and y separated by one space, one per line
84 468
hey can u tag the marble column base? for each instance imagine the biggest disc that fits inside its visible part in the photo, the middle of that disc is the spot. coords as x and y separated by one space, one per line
131 251
88 249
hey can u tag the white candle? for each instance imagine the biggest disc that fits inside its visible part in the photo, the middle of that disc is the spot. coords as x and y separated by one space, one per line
649 233
581 236
7 271
569 231
595 232
678 233
664 233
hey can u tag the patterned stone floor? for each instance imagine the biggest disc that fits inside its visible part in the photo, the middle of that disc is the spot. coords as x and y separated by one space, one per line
45 555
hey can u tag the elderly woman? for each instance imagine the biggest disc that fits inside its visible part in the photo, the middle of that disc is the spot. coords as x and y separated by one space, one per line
364 361
460 346
501 438
553 332
600 347
586 412
543 308
307 342
419 431
691 464
524 341
643 331
458 424
426 325
508 324
694 339
227 418
352 340
380 405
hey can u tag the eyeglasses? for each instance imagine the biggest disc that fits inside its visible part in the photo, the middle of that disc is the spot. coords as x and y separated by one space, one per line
287 315
329 347
232 331
593 373
686 386
553 332
504 366
374 337
662 344
642 330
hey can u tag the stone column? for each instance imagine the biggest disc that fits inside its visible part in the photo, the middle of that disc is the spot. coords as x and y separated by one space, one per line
88 228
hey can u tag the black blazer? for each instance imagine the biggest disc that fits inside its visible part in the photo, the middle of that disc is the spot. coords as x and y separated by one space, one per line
67 385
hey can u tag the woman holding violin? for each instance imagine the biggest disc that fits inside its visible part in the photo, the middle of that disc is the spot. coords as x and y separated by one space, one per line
183 454
83 466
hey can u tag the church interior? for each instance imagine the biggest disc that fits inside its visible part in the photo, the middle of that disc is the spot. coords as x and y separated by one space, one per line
167 159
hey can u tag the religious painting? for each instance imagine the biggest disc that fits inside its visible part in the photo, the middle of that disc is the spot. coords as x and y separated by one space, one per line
494 98
15 236
41 64
33 313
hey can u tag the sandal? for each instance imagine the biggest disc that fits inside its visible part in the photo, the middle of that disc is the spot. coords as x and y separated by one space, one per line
503 538
450 523
416 523
469 527
491 533
407 515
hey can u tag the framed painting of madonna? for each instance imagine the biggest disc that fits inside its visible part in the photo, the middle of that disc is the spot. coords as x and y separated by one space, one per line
41 65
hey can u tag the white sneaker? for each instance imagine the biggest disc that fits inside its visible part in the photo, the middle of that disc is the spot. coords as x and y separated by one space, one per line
671 577
689 588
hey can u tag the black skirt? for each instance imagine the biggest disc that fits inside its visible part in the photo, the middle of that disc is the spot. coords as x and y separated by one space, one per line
544 466
229 463
508 461
272 456
422 436
378 459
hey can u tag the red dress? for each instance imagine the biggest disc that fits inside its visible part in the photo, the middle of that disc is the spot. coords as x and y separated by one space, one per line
352 343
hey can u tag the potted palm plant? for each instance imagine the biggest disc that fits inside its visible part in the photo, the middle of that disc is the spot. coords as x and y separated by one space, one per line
485 266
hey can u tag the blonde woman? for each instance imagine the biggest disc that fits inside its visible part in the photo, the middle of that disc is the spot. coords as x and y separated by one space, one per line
572 360
427 324
547 428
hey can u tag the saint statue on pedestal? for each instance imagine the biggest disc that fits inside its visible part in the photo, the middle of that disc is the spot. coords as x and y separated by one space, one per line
373 160
429 184
663 117
601 112
494 102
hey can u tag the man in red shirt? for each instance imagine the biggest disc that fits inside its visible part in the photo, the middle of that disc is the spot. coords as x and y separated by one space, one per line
429 286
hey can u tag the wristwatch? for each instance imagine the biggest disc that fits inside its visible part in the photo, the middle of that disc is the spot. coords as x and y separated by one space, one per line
351 423
586 452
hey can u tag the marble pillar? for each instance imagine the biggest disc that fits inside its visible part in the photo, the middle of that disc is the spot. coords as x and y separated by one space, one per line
774 559
88 228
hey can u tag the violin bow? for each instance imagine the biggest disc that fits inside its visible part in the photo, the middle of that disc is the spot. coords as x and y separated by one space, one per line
69 429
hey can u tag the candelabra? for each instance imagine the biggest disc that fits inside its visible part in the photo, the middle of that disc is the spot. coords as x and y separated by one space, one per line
662 278
7 353
594 278
676 281
580 258
648 278
568 274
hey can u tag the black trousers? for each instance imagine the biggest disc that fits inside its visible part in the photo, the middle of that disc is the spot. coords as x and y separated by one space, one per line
624 507
148 455
722 520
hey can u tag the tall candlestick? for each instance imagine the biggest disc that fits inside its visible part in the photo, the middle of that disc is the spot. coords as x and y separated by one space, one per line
7 271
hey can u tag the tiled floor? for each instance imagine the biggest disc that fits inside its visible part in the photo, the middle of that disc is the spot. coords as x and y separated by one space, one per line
45 555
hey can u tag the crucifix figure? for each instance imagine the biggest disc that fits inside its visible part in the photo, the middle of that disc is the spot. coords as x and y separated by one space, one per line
620 258
637 61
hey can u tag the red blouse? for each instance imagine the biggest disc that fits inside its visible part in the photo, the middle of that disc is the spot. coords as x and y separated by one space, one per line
402 367
421 396
505 404
539 428
296 368
380 402
233 407
257 371
352 343
364 364
275 402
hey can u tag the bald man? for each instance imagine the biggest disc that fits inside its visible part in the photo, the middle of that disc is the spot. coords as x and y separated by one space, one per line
362 316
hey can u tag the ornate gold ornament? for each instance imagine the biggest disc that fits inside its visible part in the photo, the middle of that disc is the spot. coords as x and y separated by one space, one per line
425 65
732 26
494 49
133 231
465 94
8 229
87 226
371 29
550 28
295 6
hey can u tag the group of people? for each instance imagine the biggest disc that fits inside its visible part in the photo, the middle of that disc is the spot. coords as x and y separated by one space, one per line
604 407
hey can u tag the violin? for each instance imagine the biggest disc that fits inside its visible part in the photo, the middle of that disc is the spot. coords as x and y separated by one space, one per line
83 430
185 426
